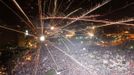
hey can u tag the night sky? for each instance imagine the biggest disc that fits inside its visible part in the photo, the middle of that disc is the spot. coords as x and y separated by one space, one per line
31 9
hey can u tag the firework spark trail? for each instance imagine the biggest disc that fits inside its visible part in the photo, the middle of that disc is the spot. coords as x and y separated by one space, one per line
87 20
57 66
14 30
63 17
54 11
93 9
72 18
59 7
16 14
40 16
43 7
91 16
49 7
70 14
119 9
14 1
55 7
68 6
118 22
82 19
123 22
76 61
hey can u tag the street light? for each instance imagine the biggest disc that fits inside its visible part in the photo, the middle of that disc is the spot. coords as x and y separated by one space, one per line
26 33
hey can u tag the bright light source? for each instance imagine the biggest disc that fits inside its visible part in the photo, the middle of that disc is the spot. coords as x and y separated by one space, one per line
58 73
105 61
81 42
26 32
42 38
52 28
93 27
83 48
46 44
28 58
91 34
